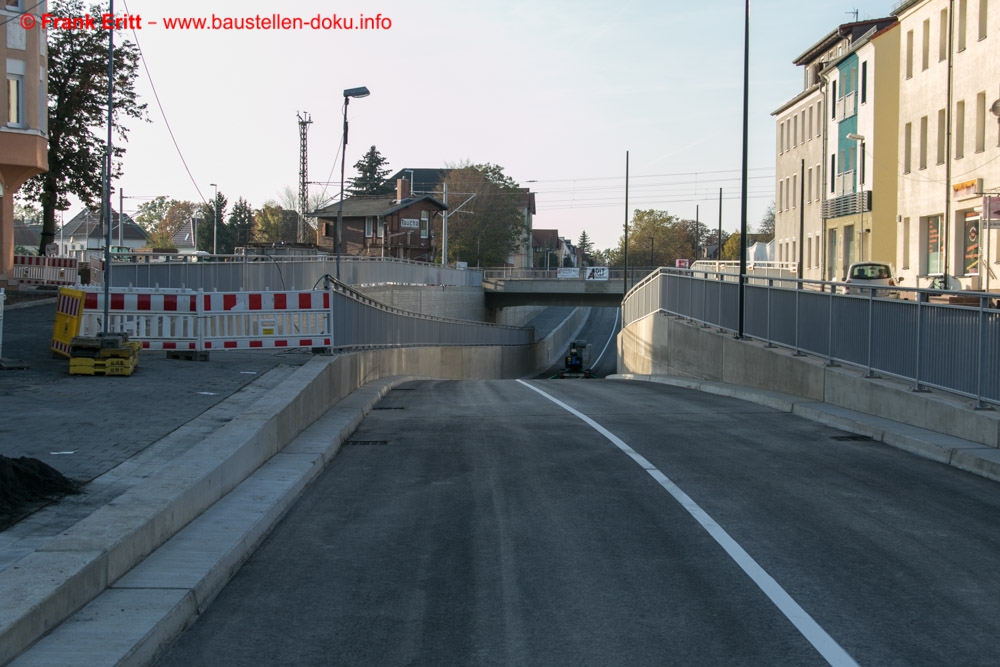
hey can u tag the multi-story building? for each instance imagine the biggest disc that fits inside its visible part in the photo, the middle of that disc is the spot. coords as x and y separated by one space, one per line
801 180
949 141
859 211
23 125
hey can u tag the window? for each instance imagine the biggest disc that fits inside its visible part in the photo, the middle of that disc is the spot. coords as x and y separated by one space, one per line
819 115
781 138
810 122
864 82
833 107
795 190
833 173
907 148
960 130
369 226
781 196
809 184
819 185
925 47
15 100
795 131
982 19
381 227
923 142
15 4
933 248
942 128
943 38
981 122
425 224
809 252
963 7
906 243
909 54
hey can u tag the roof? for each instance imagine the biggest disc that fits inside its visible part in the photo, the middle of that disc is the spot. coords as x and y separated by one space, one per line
421 180
545 238
25 236
184 237
852 31
362 207
87 224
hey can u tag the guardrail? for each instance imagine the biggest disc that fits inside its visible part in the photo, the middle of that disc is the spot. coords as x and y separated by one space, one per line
932 338
198 321
234 273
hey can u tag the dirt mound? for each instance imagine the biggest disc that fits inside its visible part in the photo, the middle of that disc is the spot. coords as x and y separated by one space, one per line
26 484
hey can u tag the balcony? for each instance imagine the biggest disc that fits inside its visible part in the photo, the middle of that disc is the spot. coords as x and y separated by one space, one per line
846 106
848 204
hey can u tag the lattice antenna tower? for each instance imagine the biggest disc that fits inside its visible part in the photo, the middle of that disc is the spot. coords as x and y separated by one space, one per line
304 121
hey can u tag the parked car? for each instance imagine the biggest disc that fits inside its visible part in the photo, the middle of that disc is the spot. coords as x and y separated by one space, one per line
863 276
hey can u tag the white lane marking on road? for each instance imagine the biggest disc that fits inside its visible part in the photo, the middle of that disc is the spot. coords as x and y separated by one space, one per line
611 338
810 629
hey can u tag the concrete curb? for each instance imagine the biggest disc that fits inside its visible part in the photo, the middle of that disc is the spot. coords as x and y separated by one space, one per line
965 455
147 608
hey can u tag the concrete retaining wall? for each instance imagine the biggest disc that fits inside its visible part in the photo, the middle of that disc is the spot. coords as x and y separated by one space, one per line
460 303
665 345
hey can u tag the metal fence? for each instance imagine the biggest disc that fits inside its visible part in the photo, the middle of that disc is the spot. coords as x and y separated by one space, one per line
337 318
946 340
233 273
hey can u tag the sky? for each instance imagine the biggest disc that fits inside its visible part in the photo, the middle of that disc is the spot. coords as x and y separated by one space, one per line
554 92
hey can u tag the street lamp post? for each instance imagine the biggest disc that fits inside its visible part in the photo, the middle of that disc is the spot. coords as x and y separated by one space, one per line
361 91
215 221
860 138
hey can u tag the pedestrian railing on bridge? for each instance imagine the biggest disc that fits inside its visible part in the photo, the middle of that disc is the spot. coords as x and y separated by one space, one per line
946 340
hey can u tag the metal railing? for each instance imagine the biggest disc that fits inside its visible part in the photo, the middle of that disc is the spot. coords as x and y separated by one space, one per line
944 340
337 318
231 273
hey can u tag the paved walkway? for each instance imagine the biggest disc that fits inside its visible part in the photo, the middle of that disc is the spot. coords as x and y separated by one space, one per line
111 431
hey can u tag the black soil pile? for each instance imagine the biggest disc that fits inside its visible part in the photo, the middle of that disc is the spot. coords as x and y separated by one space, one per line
27 484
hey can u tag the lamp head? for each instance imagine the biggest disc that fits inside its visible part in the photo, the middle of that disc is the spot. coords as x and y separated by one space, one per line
855 137
357 92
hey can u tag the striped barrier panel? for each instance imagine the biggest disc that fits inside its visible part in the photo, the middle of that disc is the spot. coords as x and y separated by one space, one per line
69 313
41 270
185 320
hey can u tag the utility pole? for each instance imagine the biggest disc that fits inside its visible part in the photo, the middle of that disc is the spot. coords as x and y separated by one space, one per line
304 121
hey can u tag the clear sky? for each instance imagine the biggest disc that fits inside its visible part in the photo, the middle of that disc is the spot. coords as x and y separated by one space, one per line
554 92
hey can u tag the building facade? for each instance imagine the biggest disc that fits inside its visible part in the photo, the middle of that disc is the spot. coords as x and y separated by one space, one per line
859 213
949 142
23 121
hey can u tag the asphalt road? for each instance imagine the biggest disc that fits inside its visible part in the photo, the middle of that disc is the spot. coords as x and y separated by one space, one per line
599 331
481 523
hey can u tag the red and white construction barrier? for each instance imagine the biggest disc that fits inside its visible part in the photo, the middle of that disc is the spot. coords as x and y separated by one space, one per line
204 321
41 270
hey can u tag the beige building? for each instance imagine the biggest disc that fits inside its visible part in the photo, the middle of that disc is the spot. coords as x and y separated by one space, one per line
949 141
23 124
859 211
802 180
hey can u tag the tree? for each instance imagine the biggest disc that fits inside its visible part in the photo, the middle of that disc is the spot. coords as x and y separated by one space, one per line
371 176
731 248
488 229
27 212
586 247
177 215
212 230
77 114
239 227
765 231
657 238
151 213
267 223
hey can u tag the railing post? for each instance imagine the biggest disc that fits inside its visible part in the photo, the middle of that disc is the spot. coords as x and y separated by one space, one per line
798 291
829 324
980 355
871 333
920 334
770 283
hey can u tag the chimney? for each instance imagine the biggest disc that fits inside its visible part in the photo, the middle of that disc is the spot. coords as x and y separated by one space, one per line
402 189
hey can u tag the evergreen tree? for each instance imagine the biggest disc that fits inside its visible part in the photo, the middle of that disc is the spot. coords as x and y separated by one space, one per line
371 176
586 247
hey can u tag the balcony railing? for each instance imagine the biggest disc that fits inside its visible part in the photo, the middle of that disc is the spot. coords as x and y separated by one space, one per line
849 204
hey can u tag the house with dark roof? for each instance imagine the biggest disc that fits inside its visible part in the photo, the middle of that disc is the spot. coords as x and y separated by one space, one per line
26 240
429 181
85 232
382 226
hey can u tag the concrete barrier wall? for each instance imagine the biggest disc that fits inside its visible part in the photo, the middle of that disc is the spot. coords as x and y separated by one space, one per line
461 303
661 344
